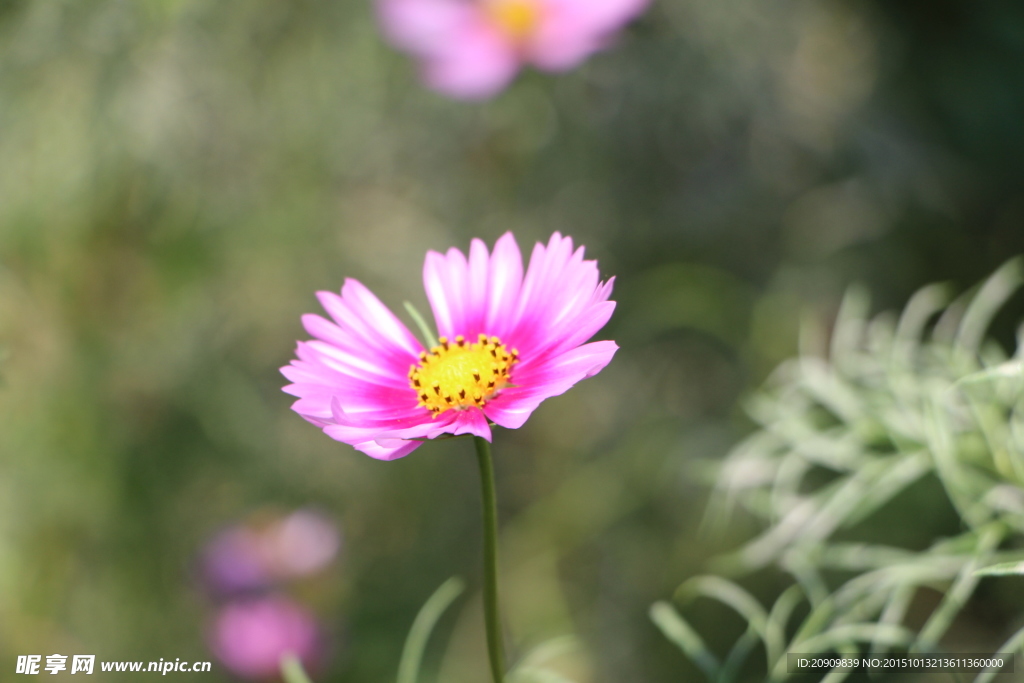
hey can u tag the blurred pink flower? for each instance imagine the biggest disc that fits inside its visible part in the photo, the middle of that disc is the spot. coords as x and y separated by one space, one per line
254 555
250 637
473 48
304 542
508 342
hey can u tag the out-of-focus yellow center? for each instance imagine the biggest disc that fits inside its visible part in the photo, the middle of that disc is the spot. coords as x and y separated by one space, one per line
516 18
459 374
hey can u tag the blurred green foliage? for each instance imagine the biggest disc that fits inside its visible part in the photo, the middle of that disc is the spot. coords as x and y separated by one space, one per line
179 177
887 469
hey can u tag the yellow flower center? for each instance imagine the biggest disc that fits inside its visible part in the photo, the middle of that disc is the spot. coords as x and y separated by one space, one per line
459 375
516 18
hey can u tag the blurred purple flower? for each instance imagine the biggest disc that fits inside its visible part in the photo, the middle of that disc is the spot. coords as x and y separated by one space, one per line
254 556
473 48
233 562
251 636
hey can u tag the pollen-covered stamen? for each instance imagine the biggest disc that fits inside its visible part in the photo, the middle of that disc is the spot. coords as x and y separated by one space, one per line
461 374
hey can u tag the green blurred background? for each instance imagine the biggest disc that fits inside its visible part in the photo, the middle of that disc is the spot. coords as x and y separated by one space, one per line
177 179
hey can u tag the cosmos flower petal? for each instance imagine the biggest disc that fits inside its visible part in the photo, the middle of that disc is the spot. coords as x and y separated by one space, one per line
568 368
338 411
558 49
583 327
513 406
476 295
456 275
473 421
378 452
365 355
383 443
458 290
320 328
401 415
547 265
384 325
503 285
557 298
597 15
300 373
478 272
414 423
379 370
574 29
460 53
359 395
440 292
476 64
362 397
422 27
387 449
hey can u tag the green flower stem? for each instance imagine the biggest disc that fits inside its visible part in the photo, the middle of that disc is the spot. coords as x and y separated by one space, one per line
292 671
492 614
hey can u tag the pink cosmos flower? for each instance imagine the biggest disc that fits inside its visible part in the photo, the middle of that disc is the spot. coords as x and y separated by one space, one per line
251 636
473 48
508 342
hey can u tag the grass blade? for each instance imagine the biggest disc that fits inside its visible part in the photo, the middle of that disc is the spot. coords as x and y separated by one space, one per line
423 626
421 322
292 671
675 628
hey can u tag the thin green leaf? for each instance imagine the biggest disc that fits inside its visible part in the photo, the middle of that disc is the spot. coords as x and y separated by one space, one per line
954 600
1002 569
292 671
534 668
893 614
675 628
744 603
782 610
1012 369
990 298
421 322
423 626
531 674
925 303
848 331
737 656
1011 646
